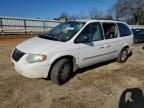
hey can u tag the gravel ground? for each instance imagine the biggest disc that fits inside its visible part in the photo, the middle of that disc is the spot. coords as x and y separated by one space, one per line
98 86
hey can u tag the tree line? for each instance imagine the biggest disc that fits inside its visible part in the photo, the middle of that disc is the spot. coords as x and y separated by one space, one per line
131 11
94 13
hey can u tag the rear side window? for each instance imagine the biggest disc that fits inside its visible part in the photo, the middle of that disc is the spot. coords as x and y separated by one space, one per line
110 30
124 30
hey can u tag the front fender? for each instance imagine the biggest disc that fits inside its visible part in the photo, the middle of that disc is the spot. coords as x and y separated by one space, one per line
57 56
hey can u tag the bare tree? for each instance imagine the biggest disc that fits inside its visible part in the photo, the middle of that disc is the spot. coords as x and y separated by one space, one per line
82 15
73 17
64 14
130 9
109 14
108 17
95 14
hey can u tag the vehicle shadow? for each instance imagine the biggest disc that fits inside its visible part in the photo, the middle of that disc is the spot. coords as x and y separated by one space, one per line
132 98
85 69
98 65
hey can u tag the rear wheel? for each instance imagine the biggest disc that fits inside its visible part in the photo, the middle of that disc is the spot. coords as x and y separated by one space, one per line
135 40
61 71
123 56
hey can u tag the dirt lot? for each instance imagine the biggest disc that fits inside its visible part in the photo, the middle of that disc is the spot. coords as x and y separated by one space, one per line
98 86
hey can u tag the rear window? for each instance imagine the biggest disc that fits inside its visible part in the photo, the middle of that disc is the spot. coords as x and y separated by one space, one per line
124 30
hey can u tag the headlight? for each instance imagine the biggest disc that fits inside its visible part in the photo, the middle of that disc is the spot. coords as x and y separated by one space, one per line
31 58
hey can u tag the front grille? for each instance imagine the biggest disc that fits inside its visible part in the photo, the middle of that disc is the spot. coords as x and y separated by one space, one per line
17 55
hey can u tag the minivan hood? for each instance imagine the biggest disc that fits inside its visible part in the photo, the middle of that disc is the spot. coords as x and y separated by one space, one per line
36 45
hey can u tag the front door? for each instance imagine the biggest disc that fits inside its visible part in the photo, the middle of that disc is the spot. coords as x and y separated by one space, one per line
92 46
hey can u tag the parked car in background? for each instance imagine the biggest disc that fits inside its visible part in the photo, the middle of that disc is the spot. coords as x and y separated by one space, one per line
138 32
72 45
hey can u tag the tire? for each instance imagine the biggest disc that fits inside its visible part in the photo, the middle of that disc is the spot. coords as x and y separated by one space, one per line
61 71
123 56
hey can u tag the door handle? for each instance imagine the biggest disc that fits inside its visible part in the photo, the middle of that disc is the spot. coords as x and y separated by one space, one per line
100 47
107 46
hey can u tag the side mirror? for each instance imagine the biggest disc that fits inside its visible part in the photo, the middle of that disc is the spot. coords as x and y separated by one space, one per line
81 39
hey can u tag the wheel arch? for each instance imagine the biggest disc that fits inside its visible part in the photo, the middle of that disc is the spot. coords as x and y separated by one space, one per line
72 58
125 46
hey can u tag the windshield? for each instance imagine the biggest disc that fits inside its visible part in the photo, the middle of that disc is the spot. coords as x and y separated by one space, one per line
138 32
63 32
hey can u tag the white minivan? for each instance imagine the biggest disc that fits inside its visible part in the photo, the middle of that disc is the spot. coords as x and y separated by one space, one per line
72 45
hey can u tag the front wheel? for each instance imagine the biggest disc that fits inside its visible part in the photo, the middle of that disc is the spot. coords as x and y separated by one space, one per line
123 56
61 71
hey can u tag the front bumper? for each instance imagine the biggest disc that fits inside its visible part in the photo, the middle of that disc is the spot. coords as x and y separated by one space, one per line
32 71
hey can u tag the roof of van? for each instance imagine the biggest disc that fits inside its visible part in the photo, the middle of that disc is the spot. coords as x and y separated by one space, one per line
94 20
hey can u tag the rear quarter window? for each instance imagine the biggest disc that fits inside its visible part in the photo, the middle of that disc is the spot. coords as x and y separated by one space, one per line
124 30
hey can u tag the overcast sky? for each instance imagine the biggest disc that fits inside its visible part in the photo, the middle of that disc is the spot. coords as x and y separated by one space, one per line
51 8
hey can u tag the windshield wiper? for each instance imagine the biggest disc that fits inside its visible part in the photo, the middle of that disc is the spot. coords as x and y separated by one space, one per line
49 36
